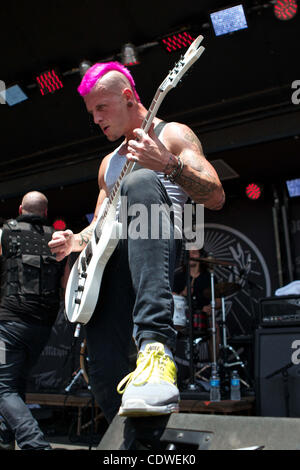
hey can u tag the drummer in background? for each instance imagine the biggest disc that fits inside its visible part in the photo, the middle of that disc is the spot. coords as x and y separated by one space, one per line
201 303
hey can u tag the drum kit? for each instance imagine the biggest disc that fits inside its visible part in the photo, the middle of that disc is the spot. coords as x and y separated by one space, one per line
184 323
196 333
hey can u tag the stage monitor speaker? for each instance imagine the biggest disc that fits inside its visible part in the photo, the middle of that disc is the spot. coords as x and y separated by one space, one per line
277 371
190 432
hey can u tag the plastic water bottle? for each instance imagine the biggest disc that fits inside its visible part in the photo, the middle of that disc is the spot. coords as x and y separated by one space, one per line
215 394
235 386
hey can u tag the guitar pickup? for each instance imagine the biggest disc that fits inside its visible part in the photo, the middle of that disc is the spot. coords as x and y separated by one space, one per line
97 232
80 288
83 263
88 253
77 301
97 235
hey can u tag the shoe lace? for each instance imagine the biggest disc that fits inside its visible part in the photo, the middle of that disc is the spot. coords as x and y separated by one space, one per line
151 360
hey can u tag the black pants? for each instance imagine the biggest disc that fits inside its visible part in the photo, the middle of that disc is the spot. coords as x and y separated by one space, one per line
20 347
135 295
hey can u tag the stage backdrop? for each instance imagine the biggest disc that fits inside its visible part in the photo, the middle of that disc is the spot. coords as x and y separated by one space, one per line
243 233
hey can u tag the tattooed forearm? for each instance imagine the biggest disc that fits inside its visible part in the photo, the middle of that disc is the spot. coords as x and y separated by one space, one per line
172 163
202 185
199 188
85 236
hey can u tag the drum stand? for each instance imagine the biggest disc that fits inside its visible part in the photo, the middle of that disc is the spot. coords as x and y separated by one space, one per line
225 347
213 316
192 387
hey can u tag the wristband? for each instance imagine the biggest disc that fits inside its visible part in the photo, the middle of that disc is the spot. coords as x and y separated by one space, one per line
176 172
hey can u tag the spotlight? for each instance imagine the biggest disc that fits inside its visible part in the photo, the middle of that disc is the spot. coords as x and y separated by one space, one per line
59 224
285 9
49 82
129 55
253 191
84 66
176 41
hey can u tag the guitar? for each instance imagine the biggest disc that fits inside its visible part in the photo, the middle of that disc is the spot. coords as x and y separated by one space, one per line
84 282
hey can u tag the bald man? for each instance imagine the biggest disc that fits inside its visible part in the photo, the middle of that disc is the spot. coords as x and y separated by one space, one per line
30 297
136 292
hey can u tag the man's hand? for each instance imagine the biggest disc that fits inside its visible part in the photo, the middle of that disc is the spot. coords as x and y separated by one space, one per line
62 244
149 152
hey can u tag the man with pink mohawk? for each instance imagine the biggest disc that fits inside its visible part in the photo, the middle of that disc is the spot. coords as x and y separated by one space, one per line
136 290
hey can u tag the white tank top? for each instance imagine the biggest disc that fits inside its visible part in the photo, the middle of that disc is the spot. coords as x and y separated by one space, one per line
177 195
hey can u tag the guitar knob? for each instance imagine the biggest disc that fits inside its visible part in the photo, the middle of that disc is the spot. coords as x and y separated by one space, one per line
80 288
84 275
77 301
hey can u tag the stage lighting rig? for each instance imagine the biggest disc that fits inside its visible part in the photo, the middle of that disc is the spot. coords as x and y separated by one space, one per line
84 66
49 82
228 20
12 95
253 191
59 224
129 55
285 10
177 40
293 187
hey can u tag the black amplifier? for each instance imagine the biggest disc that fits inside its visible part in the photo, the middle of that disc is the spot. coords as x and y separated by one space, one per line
280 311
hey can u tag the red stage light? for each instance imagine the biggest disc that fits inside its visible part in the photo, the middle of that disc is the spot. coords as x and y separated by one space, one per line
285 9
49 82
59 224
253 191
177 41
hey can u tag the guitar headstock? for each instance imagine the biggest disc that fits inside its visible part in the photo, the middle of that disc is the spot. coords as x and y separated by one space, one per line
185 62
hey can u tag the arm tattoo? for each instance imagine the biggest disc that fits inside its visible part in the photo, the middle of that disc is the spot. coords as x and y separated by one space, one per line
193 139
170 165
199 189
85 236
196 178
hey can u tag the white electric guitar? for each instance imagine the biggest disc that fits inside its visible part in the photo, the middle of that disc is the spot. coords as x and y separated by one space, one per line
84 282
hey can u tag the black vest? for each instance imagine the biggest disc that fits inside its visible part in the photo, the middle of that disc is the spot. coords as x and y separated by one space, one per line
29 269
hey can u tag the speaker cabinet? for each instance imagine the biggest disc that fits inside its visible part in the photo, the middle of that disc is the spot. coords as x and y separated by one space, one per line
188 432
277 371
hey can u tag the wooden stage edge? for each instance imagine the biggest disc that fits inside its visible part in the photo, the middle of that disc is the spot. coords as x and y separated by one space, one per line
245 405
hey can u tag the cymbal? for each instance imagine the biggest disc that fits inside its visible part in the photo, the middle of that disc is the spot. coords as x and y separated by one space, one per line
214 261
222 289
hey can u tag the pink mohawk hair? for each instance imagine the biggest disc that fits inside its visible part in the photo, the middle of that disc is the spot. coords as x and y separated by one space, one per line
98 70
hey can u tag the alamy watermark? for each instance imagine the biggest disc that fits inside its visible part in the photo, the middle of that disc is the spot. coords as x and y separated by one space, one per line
296 354
296 93
162 221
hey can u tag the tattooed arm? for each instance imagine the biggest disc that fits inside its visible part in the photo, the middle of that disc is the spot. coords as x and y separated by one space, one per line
198 177
65 242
